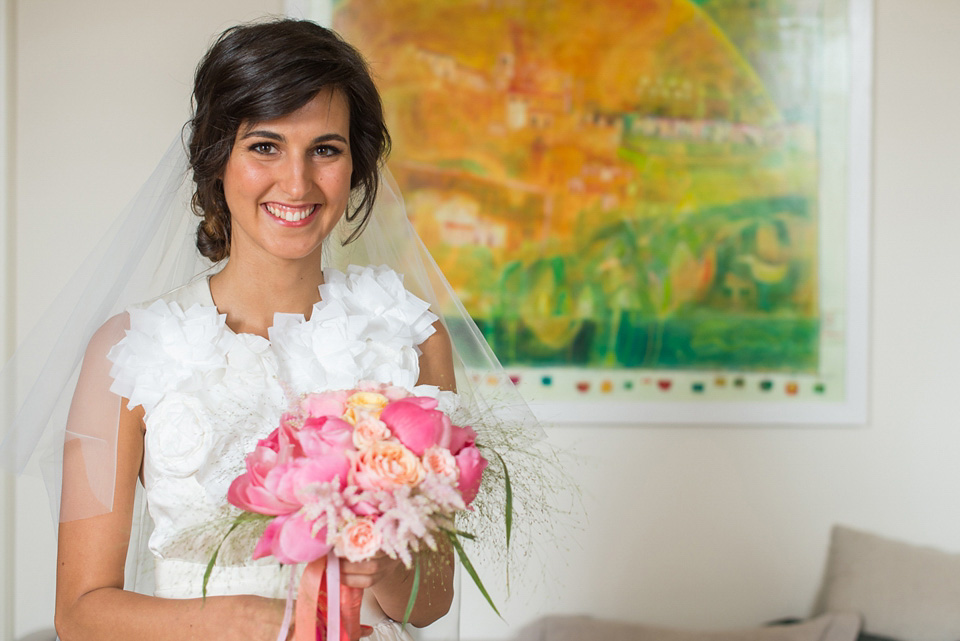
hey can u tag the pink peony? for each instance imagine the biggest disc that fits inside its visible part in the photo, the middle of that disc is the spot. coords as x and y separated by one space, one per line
392 392
271 488
320 436
324 404
417 427
249 491
471 464
461 437
290 540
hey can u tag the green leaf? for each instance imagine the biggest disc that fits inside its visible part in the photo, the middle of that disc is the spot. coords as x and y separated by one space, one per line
213 559
508 517
413 595
460 533
473 573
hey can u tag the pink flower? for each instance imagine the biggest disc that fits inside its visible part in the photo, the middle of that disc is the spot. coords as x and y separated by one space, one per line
368 431
439 461
290 540
392 392
471 464
320 436
423 402
358 541
417 427
271 488
249 491
386 465
324 404
461 437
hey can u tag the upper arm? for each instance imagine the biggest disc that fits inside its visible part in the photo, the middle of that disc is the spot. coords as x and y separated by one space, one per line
436 360
92 551
102 455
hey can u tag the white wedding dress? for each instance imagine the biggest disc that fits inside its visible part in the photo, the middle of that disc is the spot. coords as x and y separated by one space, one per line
210 394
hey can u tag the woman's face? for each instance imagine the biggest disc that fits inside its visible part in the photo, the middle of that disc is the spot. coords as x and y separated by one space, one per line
287 181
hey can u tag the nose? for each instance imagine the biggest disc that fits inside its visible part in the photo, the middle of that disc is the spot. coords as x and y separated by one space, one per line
295 178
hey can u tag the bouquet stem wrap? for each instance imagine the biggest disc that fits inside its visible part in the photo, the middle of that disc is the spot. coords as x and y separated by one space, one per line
313 617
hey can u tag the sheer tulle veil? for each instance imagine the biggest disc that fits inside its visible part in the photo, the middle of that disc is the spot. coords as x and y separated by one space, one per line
150 249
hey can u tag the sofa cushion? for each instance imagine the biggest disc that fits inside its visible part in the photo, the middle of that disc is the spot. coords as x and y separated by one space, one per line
902 591
833 627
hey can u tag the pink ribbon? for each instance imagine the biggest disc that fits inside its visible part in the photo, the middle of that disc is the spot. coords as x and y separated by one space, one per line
314 621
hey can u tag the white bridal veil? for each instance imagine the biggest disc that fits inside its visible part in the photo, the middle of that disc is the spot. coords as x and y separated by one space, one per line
149 250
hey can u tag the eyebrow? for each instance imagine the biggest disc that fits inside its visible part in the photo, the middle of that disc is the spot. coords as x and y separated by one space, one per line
272 135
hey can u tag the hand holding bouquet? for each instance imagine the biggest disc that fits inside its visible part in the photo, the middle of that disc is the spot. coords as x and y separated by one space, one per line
352 473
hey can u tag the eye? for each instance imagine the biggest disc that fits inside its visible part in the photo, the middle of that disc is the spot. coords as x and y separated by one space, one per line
264 148
327 151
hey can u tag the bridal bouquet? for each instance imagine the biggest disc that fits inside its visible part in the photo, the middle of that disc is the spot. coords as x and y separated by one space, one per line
352 473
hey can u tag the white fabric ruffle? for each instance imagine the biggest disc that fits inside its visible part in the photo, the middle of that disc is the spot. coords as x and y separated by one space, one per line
167 349
209 394
365 327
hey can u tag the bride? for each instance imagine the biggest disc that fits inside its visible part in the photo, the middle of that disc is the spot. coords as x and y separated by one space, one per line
286 144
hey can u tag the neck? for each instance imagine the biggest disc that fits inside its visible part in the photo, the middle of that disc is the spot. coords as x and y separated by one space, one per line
251 292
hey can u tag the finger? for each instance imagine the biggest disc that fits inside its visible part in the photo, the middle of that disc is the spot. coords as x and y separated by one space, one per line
361 581
365 631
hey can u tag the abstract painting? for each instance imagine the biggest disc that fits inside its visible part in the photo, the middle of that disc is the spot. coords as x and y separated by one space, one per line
645 205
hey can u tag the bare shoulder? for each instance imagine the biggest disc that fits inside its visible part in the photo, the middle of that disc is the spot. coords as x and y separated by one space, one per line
436 360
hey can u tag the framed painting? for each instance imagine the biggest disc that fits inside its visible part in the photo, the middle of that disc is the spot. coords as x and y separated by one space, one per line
655 210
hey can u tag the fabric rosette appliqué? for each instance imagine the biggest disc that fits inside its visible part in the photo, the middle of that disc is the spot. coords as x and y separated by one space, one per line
349 474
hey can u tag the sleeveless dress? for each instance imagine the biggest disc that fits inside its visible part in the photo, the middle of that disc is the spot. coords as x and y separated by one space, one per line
210 394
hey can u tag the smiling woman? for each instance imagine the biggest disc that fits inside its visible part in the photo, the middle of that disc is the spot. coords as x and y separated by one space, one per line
287 139
312 288
287 182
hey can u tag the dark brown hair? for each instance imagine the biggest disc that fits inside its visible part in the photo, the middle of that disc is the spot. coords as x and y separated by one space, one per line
262 71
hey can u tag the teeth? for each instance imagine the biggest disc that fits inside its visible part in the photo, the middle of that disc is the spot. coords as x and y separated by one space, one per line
290 214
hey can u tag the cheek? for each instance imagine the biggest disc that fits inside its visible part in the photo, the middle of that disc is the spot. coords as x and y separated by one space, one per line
243 180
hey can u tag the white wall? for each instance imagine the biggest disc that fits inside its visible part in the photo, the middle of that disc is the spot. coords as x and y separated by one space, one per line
698 526
103 88
726 527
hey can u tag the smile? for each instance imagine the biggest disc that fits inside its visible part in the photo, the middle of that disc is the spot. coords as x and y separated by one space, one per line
288 213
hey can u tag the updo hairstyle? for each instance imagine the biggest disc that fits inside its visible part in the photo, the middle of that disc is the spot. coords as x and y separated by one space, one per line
262 71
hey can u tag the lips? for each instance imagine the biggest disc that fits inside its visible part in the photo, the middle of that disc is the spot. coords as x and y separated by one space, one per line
290 214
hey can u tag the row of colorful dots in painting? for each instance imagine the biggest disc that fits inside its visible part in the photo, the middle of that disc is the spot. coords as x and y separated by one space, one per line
666 384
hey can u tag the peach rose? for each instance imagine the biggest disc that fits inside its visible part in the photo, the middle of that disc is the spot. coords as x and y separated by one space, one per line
439 461
368 431
385 465
358 541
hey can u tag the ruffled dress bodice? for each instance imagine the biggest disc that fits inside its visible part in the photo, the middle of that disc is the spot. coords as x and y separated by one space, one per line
210 394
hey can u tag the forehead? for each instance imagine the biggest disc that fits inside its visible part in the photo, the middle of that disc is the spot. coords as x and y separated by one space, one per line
327 112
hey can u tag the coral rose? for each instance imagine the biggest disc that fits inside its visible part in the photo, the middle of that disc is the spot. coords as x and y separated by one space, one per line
385 465
358 541
368 431
439 461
